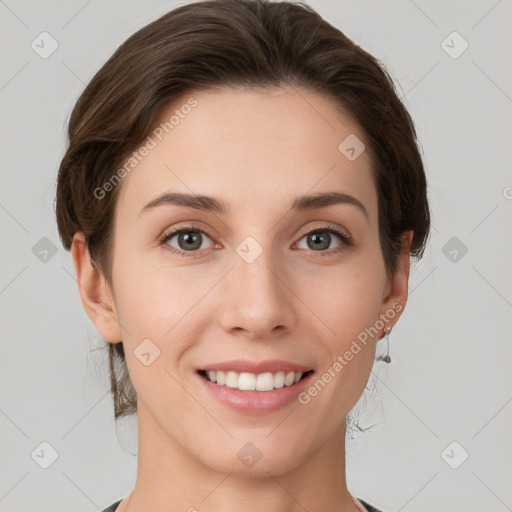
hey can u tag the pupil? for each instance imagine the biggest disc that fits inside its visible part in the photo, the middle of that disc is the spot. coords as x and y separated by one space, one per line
317 240
189 239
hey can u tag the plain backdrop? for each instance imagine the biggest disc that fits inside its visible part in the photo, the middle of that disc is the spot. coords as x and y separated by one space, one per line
442 409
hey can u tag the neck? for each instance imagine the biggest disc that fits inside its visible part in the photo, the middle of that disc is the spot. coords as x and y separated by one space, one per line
170 479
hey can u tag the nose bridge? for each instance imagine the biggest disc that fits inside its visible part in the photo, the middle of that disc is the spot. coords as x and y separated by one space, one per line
257 298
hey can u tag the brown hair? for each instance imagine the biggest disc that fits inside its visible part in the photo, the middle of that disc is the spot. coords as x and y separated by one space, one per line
240 43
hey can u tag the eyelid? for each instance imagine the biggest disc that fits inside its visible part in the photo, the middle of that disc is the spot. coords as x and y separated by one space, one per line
175 230
327 227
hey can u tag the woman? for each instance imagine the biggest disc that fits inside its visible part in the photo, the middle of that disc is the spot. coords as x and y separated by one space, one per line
241 195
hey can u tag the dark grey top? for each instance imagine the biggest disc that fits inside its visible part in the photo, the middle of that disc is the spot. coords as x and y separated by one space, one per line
113 506
368 507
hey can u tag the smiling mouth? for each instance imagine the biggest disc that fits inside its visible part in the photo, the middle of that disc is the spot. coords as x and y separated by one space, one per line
246 381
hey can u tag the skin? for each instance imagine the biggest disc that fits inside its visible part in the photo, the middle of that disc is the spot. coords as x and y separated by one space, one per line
257 151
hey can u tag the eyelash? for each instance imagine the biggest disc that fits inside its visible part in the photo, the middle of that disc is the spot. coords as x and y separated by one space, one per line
329 228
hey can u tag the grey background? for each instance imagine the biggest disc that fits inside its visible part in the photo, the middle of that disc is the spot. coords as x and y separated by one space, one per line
450 377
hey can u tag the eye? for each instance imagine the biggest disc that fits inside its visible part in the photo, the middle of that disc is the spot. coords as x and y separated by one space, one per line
319 239
188 240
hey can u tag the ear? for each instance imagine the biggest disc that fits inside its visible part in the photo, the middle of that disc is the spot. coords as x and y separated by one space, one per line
395 294
97 298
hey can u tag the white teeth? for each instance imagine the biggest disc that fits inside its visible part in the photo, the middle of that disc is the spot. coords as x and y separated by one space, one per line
247 382
265 382
288 380
279 379
231 380
252 382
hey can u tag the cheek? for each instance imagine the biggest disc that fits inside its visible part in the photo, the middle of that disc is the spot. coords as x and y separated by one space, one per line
347 305
151 297
346 299
155 310
164 305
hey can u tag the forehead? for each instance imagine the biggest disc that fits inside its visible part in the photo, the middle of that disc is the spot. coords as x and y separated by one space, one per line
251 148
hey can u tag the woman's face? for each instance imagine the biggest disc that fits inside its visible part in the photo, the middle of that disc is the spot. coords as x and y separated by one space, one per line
248 285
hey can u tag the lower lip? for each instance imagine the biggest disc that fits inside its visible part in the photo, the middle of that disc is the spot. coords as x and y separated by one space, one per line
256 402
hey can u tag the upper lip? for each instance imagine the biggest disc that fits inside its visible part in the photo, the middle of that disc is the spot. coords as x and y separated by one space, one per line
256 367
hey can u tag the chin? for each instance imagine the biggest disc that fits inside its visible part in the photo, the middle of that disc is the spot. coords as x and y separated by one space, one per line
249 461
258 470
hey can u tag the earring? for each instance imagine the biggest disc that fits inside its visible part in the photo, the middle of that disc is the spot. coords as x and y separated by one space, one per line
386 358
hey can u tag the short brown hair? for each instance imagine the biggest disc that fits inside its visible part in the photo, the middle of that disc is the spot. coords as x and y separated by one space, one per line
241 43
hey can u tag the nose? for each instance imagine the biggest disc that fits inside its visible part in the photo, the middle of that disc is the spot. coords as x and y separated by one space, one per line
257 298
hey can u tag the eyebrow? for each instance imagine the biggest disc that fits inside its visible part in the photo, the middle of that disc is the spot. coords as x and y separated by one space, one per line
212 204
